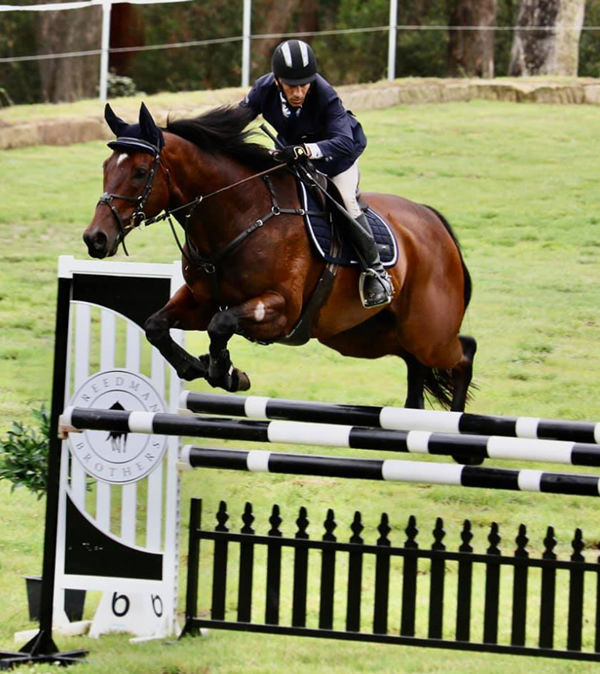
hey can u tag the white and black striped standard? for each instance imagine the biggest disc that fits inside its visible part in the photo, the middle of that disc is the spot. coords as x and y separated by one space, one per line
261 461
392 418
333 435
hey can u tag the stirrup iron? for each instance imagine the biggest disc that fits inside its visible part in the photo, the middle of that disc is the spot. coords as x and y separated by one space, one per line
385 282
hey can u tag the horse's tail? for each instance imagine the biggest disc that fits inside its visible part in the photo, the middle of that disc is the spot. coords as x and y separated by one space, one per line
466 275
440 384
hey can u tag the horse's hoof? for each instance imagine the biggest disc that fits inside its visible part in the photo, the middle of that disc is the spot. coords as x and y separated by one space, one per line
236 380
468 459
243 383
232 381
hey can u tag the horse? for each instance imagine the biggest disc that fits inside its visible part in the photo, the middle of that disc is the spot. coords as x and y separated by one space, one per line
250 268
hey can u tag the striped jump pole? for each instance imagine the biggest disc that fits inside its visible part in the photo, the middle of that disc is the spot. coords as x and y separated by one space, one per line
333 435
261 461
393 418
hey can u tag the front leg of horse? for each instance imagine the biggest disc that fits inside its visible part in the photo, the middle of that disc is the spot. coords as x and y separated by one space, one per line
180 312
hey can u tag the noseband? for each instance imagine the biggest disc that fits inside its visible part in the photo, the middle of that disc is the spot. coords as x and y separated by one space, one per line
138 216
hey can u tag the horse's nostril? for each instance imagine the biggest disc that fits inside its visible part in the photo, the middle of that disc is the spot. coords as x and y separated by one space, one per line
96 243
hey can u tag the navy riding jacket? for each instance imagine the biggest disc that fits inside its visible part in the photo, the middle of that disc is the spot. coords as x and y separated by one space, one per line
322 119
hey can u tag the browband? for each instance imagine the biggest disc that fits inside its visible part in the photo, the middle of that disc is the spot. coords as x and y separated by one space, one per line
126 142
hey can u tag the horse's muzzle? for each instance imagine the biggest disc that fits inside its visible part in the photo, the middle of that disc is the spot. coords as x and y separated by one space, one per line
97 243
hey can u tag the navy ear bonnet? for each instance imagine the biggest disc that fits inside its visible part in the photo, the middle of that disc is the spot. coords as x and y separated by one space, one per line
144 136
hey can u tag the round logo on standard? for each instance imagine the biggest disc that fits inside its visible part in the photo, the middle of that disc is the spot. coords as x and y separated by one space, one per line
118 457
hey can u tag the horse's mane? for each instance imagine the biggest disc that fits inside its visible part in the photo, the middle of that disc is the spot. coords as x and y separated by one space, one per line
224 130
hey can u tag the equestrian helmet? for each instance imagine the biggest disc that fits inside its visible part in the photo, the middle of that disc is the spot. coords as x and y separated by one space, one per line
294 63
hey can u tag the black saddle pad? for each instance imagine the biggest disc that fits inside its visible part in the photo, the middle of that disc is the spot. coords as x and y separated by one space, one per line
318 225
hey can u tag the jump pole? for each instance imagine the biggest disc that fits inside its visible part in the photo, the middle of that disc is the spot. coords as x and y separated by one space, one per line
261 461
392 418
333 435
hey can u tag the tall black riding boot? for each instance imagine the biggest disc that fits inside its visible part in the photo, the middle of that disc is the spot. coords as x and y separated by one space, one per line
375 285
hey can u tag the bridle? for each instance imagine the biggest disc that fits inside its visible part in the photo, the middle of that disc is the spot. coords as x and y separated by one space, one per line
138 216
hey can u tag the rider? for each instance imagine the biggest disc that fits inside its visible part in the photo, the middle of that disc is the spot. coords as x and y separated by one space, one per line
311 121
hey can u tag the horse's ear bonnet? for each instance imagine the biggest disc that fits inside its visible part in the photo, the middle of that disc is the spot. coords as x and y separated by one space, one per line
144 136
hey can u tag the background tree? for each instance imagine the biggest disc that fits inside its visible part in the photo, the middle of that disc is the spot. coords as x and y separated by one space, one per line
273 18
342 56
362 57
424 48
126 31
69 79
506 20
589 44
471 52
19 81
205 66
554 48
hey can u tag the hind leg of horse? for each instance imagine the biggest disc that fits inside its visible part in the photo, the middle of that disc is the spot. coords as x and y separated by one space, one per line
462 373
182 311
415 384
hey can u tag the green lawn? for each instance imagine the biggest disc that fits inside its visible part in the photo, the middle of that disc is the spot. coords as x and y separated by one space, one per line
518 184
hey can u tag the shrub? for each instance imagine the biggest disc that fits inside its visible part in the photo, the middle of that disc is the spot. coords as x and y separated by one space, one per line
24 454
119 86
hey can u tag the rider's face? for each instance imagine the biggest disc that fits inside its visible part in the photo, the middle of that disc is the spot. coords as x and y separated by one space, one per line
296 94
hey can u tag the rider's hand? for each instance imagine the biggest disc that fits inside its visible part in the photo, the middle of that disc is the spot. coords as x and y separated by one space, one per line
290 154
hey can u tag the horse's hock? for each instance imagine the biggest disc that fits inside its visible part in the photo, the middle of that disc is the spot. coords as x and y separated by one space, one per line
83 127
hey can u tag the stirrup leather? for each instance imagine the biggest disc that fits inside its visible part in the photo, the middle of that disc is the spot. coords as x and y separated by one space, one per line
384 280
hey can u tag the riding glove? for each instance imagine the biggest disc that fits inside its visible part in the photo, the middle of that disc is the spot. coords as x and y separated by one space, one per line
290 154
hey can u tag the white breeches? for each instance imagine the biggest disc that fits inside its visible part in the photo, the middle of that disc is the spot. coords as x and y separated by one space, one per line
347 184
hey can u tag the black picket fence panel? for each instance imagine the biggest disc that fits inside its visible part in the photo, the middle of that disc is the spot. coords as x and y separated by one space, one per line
243 548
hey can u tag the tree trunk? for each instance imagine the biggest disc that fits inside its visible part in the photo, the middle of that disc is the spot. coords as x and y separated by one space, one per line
471 52
283 16
554 48
126 30
74 77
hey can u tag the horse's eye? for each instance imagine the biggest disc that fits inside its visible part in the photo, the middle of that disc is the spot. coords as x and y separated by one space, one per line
140 172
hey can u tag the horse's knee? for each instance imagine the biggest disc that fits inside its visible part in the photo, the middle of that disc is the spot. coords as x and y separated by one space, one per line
156 327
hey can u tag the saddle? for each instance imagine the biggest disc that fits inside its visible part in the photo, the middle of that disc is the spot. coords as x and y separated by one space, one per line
324 225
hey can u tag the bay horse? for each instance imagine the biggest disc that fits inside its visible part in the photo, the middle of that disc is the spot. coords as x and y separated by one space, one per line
249 267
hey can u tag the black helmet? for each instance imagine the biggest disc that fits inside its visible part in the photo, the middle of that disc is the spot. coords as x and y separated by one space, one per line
294 63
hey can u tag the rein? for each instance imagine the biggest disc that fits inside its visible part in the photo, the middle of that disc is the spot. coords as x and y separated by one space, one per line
199 199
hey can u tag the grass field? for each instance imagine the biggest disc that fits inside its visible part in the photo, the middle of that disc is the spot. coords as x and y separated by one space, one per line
518 184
